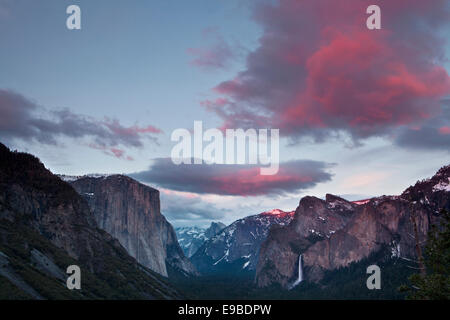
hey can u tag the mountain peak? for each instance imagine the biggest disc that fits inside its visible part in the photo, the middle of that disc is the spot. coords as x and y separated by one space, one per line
277 212
443 173
236 247
425 188
192 238
273 212
217 224
214 229
332 198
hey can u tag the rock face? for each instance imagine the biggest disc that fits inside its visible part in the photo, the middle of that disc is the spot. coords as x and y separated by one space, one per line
45 226
192 238
214 229
334 233
236 248
130 212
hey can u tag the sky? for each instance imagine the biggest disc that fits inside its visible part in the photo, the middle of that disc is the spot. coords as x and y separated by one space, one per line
360 112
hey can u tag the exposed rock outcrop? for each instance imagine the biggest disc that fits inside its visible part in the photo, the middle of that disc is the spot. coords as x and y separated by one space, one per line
350 232
45 225
130 212
314 220
214 229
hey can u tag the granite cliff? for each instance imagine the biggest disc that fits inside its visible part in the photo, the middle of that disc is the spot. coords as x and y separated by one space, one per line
130 212
45 226
332 233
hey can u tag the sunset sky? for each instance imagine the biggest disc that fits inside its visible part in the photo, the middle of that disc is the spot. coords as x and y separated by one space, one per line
361 112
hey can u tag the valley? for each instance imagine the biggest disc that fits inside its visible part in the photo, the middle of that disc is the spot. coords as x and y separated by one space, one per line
113 228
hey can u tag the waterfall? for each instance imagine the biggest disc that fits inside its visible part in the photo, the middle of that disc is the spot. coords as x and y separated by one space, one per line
300 273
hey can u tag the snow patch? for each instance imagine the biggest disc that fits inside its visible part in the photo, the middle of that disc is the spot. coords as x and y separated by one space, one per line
361 202
68 178
338 204
442 186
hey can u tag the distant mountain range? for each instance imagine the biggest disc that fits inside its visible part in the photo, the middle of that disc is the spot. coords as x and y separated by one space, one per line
192 238
330 234
236 247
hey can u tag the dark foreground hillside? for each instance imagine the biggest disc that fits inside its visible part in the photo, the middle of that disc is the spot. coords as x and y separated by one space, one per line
45 226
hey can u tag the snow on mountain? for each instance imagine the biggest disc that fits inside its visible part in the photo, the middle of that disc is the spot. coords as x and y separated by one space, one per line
237 246
334 233
361 202
192 238
69 178
442 186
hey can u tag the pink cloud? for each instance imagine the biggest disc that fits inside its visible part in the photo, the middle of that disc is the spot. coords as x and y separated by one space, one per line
112 151
363 180
215 56
344 89
444 130
117 152
247 182
319 70
236 180
133 131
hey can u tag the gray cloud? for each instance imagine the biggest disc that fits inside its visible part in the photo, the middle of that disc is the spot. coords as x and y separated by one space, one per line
432 135
239 180
23 119
181 210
